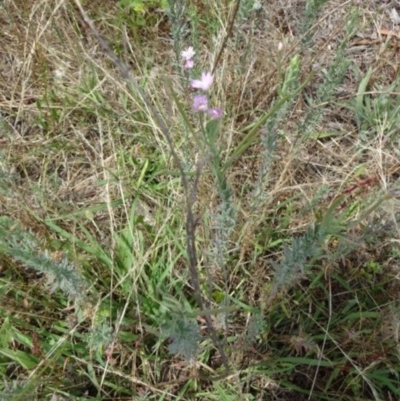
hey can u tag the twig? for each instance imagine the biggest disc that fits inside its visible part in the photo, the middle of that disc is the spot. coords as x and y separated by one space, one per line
227 36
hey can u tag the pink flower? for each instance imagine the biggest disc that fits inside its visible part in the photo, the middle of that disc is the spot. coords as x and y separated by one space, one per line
188 64
204 83
215 114
188 53
200 103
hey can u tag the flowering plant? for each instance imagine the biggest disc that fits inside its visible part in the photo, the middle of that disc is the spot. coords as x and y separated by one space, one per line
200 100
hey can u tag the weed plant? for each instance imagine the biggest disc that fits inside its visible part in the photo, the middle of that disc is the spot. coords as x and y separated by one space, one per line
198 202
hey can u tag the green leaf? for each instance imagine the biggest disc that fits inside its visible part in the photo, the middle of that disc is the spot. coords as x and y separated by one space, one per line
361 95
324 134
308 361
5 333
23 359
184 335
